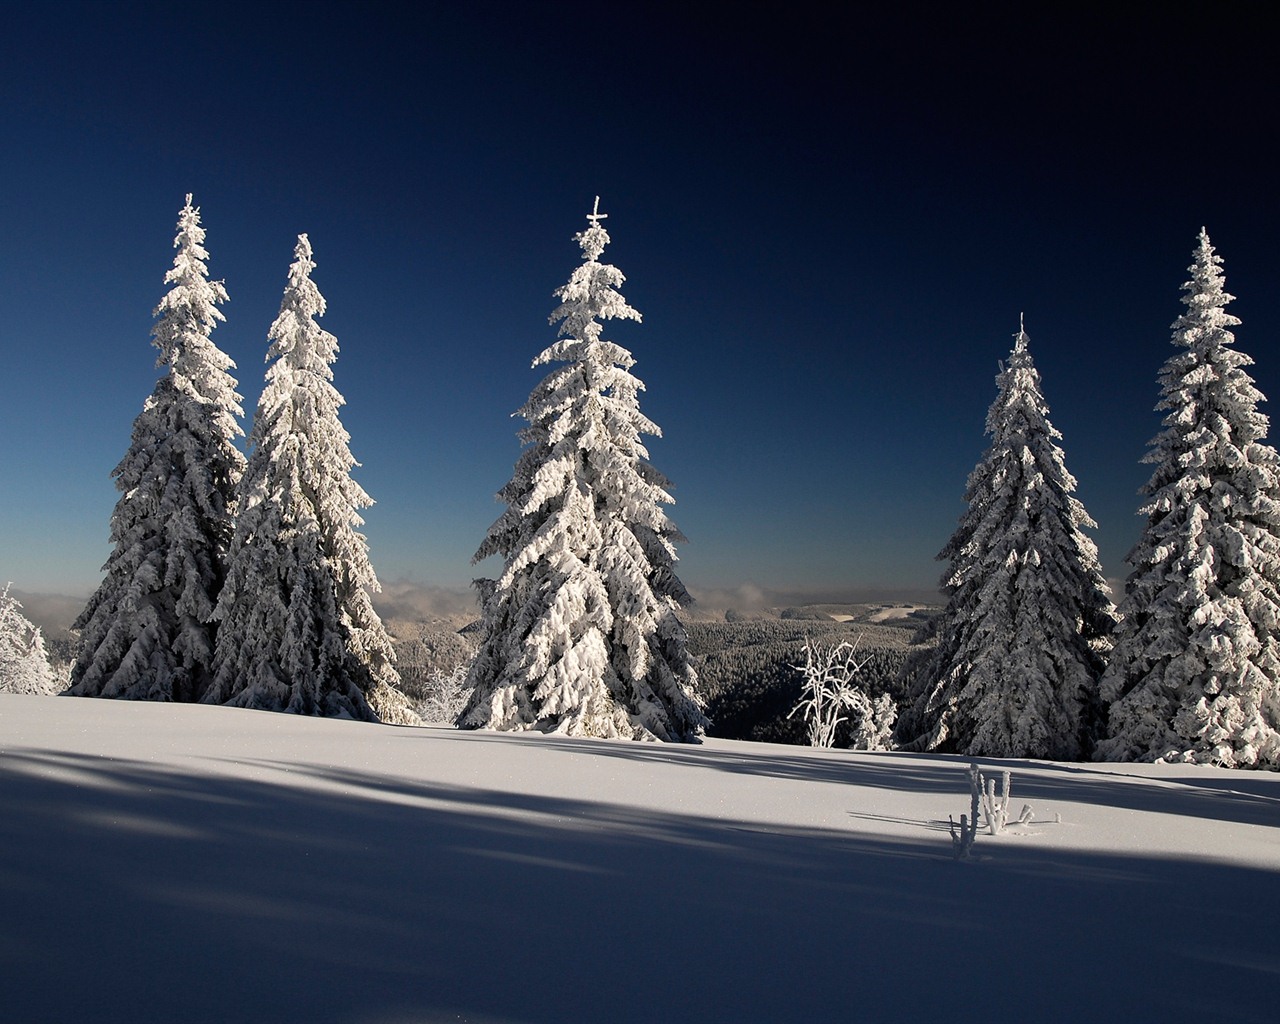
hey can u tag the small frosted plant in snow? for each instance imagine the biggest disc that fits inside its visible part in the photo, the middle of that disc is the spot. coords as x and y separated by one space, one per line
996 809
962 837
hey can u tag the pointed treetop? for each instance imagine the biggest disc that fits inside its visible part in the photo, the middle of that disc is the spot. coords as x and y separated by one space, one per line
1205 293
1205 253
188 223
595 237
303 262
1020 339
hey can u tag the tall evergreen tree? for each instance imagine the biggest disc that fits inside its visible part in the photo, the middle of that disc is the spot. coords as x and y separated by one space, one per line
1022 638
1195 674
298 631
146 632
580 631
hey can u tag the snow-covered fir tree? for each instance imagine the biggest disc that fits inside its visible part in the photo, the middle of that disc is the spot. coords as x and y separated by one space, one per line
24 663
1195 674
580 631
1028 618
297 629
146 633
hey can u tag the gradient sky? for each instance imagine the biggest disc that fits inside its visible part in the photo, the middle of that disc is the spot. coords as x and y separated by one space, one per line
829 225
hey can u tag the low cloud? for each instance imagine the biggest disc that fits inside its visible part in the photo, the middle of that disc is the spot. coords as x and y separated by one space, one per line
750 597
51 612
416 602
407 601
746 597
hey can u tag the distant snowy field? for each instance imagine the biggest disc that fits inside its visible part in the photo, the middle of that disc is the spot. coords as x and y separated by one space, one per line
192 863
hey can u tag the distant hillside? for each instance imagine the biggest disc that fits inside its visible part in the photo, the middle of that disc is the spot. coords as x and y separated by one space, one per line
747 670
53 613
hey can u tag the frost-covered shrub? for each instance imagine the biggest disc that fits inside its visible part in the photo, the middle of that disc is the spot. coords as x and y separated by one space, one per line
831 695
440 698
433 659
964 833
873 722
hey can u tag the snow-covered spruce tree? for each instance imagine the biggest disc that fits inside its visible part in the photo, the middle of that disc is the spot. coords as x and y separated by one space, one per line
24 664
297 630
1022 640
146 633
580 631
1195 673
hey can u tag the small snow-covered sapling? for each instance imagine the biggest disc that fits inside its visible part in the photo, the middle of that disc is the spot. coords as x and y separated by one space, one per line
997 810
995 807
962 840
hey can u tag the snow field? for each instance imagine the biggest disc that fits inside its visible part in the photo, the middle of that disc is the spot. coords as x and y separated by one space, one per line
183 862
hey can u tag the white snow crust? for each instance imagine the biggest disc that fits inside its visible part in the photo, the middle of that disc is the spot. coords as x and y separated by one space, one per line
164 862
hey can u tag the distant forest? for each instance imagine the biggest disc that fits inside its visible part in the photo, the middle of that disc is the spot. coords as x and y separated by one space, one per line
746 665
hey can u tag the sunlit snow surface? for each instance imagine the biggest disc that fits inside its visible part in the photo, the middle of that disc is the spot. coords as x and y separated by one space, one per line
179 863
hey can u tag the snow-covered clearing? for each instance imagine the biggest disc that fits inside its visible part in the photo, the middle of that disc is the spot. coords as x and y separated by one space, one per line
895 612
194 863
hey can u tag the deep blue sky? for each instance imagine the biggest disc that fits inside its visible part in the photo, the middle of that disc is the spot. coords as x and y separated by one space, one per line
830 226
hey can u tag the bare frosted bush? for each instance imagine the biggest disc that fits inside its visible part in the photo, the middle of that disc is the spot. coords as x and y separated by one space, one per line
441 696
831 695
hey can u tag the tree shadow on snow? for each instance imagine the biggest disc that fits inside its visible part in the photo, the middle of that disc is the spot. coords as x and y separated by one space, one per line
135 894
1247 797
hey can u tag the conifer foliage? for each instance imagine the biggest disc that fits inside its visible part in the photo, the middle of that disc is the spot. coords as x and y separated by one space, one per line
1028 616
298 631
580 631
1195 671
24 664
146 632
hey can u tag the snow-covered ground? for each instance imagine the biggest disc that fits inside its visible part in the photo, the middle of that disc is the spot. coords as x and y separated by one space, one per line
893 613
180 863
